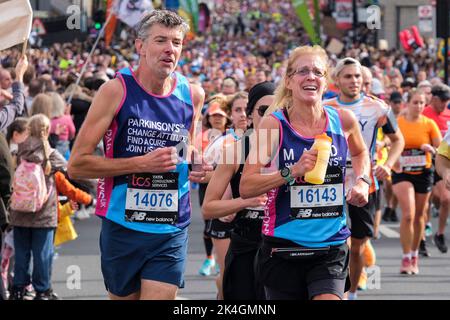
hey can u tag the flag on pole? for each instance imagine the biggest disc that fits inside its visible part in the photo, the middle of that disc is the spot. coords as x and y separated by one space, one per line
189 11
131 11
15 22
302 10
111 26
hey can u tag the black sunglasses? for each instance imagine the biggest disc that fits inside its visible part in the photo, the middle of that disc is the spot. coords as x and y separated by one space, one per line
262 109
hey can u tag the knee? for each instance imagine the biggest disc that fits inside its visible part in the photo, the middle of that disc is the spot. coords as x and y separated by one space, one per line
445 202
407 218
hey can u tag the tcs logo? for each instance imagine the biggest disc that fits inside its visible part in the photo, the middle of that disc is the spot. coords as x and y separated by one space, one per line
141 182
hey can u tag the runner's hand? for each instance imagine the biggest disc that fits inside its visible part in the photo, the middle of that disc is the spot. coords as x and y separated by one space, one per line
427 148
199 168
256 201
160 160
306 163
228 218
359 195
382 172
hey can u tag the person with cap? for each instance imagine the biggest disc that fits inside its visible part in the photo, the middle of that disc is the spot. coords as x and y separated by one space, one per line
216 122
239 281
390 214
372 113
396 103
439 112
304 251
407 85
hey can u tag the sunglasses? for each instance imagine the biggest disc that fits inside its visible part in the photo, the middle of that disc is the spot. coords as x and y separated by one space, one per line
262 109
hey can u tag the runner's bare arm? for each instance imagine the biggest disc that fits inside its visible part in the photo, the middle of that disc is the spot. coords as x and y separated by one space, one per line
358 195
264 143
83 164
443 169
356 144
198 97
214 206
396 148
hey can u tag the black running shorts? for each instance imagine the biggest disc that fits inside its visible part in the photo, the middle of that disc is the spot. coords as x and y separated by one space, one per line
422 183
305 277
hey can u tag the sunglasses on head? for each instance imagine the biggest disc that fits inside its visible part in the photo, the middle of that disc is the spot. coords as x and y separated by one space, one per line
262 109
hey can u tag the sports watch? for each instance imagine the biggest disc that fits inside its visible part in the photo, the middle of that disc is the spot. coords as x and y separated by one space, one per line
365 178
286 174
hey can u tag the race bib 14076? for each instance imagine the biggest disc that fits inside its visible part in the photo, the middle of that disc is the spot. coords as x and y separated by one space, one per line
152 198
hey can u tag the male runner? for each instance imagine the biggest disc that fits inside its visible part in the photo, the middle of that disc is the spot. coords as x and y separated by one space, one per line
371 113
143 193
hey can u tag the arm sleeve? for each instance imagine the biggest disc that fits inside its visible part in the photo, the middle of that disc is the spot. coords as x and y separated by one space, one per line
15 108
66 188
391 125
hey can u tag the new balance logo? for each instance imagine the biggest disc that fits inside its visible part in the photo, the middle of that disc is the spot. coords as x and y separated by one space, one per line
137 216
304 213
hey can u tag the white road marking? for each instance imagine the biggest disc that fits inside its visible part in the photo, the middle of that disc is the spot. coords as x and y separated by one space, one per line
388 232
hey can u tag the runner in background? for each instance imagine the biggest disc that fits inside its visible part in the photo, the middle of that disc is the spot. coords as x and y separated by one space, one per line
440 196
372 113
414 180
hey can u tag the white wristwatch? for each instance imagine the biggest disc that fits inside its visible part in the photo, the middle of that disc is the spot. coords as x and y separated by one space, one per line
365 178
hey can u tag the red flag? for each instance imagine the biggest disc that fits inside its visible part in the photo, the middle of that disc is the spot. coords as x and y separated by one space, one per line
111 26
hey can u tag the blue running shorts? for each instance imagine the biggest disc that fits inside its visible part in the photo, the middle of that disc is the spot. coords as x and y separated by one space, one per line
127 256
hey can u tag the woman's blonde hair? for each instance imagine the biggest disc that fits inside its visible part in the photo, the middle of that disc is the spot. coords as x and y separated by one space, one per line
42 104
58 105
283 95
39 127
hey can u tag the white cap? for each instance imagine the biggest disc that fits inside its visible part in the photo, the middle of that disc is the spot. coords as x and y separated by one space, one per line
343 63
424 83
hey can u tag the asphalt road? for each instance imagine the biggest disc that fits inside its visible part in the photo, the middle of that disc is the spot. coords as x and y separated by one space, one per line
77 273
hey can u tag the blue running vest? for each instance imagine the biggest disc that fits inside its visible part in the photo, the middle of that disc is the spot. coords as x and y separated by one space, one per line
145 122
309 215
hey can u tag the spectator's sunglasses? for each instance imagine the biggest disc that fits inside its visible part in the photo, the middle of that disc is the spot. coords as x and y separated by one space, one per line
262 109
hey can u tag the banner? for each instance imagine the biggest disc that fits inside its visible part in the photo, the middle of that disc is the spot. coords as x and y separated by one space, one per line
15 22
344 14
189 10
302 10
131 11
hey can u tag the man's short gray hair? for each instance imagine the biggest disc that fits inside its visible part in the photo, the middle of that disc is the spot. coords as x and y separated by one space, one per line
166 18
